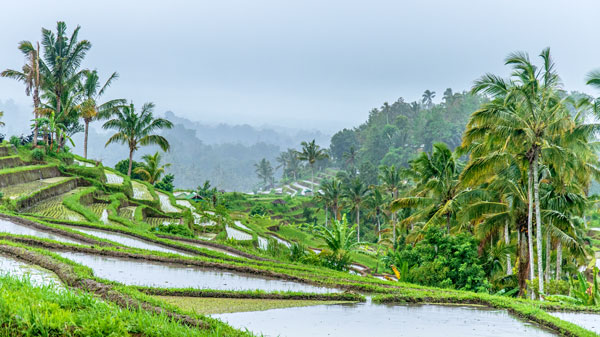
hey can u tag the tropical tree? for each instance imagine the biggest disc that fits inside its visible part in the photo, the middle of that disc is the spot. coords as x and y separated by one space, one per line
151 169
330 192
264 170
135 130
392 182
375 203
30 76
60 65
524 118
90 109
311 153
427 98
339 239
355 193
437 194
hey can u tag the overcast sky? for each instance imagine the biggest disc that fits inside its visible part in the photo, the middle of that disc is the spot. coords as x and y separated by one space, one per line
309 64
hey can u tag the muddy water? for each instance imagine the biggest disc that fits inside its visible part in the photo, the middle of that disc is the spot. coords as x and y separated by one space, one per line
127 240
17 229
152 274
37 276
200 245
367 319
584 320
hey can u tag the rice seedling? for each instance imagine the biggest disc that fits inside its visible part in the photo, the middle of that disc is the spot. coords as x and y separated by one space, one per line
15 191
112 178
140 191
54 208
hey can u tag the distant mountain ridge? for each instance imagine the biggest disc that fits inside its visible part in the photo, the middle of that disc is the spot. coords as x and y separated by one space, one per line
246 134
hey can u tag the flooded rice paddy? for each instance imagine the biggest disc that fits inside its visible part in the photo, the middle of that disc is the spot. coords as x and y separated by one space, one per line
145 273
112 178
140 191
585 320
37 276
7 226
366 319
127 240
165 204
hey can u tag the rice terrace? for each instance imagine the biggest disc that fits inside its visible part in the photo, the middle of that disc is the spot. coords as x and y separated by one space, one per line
277 200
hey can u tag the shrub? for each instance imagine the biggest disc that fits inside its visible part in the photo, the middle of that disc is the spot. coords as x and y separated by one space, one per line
258 210
123 165
175 230
166 184
14 140
37 154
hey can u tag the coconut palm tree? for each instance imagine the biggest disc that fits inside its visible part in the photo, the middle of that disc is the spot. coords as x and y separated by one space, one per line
135 130
151 169
61 61
90 109
330 192
355 193
427 99
524 118
375 202
437 194
311 153
392 182
30 76
264 170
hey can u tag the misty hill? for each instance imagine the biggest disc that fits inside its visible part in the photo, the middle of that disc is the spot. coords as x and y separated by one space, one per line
246 134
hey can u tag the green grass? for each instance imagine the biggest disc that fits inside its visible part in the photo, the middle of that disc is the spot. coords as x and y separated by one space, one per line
26 310
205 306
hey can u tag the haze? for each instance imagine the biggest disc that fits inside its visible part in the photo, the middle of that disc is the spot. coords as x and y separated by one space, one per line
308 64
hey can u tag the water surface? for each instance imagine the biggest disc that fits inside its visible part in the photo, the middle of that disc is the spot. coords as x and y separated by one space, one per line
127 240
144 273
36 275
366 319
585 320
18 229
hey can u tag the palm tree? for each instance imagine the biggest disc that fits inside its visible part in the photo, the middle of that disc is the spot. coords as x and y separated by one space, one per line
264 170
311 153
340 242
30 76
151 170
437 194
136 130
91 109
392 182
428 96
375 204
525 118
356 192
330 192
61 62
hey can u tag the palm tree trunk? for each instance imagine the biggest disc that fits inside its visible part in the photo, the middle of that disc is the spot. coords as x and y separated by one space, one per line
85 137
448 223
507 242
130 162
394 193
358 223
530 228
378 228
325 216
538 223
558 259
35 128
548 250
312 178
523 265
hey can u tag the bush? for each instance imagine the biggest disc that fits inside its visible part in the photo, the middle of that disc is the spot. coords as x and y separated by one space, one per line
37 154
258 210
166 184
175 230
14 140
442 260
123 165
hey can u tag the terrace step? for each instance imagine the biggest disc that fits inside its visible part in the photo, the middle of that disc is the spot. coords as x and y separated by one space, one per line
10 161
53 207
25 174
7 150
40 190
